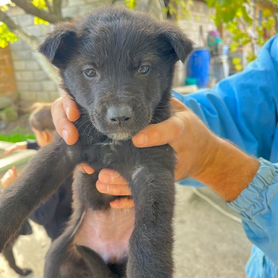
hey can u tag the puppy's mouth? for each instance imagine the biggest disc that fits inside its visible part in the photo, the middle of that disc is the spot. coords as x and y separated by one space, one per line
115 135
120 132
119 136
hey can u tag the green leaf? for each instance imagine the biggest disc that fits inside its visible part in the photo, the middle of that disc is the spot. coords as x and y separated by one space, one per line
40 4
6 36
131 4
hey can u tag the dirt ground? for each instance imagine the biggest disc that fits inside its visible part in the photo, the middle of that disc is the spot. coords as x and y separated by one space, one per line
207 243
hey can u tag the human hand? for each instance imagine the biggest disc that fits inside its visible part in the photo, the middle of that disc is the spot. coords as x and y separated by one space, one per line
186 131
65 112
20 146
188 136
200 154
9 178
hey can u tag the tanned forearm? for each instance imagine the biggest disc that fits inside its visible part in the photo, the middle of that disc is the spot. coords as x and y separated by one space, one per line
229 172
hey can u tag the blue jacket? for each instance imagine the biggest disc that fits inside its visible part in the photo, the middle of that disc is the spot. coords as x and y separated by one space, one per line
243 109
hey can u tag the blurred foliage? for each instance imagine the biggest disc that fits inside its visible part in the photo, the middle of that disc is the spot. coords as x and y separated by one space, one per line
241 20
40 4
14 138
131 4
6 36
178 9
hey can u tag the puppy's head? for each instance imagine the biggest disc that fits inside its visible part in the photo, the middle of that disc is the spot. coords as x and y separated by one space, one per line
118 65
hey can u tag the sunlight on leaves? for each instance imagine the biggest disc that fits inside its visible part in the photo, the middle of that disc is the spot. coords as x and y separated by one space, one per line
131 4
40 4
6 36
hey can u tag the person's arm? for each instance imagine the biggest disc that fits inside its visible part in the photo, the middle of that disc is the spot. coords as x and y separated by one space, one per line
19 146
8 178
243 108
258 207
32 145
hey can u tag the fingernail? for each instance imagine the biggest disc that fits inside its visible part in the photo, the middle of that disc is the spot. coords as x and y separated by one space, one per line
88 170
68 113
65 134
140 140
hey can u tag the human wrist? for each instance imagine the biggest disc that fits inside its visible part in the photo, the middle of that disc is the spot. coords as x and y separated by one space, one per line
204 157
229 171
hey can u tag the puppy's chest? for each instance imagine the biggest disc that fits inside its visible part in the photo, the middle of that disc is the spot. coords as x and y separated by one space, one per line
107 233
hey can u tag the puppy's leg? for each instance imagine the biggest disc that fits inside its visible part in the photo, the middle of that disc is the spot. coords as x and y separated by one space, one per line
9 255
95 264
150 253
39 180
64 258
150 173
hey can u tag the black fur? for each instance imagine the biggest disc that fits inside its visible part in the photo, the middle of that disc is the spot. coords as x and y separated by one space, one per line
129 61
8 253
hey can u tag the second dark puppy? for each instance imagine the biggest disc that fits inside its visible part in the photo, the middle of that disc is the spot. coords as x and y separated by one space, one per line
118 66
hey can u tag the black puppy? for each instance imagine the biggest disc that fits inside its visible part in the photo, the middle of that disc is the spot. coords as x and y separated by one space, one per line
118 66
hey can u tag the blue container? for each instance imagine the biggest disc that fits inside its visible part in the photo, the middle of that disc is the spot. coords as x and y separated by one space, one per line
198 67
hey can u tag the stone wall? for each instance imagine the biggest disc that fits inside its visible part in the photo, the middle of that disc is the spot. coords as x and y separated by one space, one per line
200 16
33 83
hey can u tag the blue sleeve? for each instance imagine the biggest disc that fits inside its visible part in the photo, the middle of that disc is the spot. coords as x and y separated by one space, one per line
243 107
258 207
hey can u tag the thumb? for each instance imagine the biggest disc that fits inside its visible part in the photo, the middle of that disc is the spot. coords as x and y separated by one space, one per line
159 134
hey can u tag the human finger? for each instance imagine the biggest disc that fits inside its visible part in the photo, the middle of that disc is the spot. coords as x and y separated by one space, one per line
86 168
159 134
113 189
63 125
111 176
71 108
122 204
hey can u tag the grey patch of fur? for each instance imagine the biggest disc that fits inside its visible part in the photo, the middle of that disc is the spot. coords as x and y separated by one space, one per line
137 172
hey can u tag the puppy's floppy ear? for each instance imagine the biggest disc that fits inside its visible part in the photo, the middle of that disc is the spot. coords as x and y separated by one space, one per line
181 45
60 44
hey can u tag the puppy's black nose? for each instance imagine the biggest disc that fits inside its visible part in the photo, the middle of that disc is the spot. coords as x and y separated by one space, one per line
119 114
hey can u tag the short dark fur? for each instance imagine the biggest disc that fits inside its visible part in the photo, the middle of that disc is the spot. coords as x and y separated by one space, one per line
8 253
116 103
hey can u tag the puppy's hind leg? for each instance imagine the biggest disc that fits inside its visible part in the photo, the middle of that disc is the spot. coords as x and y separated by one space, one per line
67 260
60 250
95 264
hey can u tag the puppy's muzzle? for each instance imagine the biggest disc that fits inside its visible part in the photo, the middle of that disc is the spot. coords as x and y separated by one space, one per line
119 115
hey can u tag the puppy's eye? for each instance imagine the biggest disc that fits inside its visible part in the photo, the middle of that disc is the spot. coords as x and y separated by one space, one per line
89 72
144 69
